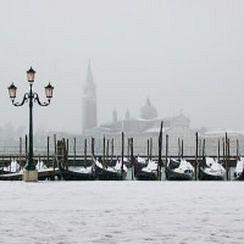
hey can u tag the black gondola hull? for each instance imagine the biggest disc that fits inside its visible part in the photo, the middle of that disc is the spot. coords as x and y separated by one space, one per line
103 174
143 175
239 177
73 175
204 176
172 175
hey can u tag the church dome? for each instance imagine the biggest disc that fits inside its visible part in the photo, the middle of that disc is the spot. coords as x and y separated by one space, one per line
148 111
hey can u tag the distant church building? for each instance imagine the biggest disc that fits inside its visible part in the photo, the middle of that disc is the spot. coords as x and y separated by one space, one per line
148 111
89 102
141 127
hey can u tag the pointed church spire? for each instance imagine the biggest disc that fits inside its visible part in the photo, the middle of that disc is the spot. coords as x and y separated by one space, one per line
89 77
89 89
89 102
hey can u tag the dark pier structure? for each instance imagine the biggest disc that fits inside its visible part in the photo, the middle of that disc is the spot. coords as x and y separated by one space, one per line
54 165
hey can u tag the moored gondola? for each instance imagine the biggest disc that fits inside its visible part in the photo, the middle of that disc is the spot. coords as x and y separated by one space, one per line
211 169
78 173
179 170
104 171
148 172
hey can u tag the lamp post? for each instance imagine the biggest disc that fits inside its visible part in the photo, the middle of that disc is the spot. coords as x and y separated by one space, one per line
30 172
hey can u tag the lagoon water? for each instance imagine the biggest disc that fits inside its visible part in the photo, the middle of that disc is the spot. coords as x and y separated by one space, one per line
121 212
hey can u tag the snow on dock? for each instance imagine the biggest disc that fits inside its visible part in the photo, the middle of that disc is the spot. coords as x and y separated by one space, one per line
121 212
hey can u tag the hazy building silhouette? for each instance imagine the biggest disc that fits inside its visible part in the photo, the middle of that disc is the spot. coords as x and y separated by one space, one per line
115 116
89 102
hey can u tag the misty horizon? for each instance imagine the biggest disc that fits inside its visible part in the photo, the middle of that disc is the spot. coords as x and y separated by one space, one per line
182 55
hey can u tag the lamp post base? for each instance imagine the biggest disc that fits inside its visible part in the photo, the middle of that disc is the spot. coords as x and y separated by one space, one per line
30 175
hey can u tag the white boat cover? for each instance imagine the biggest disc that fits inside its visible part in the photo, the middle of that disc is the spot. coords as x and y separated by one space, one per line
239 166
151 166
115 169
14 167
80 169
184 166
214 168
40 165
141 160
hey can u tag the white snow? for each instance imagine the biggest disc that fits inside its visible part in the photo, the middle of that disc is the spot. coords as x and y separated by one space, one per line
141 160
118 165
184 165
114 169
121 212
84 170
239 166
14 167
215 168
151 166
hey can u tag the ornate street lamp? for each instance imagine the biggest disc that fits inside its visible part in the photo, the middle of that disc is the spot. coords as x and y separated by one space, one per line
30 173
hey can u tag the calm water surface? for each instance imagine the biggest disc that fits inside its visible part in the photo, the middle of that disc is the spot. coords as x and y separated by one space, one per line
122 212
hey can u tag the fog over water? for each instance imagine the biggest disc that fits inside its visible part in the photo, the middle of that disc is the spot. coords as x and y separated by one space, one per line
182 54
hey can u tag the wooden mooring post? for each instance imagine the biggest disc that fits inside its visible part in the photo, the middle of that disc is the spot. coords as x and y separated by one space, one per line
196 158
55 144
112 149
228 161
66 153
122 153
160 142
218 150
85 150
48 147
226 155
203 149
150 148
74 149
166 150
20 152
93 147
237 149
179 148
182 148
107 151
132 159
104 145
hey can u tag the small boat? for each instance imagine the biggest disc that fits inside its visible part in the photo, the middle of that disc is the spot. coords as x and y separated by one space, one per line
47 173
179 170
148 172
13 167
78 173
107 172
11 172
239 170
211 169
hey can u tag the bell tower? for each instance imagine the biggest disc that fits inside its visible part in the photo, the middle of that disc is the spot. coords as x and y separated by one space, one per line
89 102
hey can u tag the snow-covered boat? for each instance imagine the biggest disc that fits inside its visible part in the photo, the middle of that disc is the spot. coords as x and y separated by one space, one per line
149 172
211 169
14 172
13 167
78 173
11 172
179 170
239 170
106 172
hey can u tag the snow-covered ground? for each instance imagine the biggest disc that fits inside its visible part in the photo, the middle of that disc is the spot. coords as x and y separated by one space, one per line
121 212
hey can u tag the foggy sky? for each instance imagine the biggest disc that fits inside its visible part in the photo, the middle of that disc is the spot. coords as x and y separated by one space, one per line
182 54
